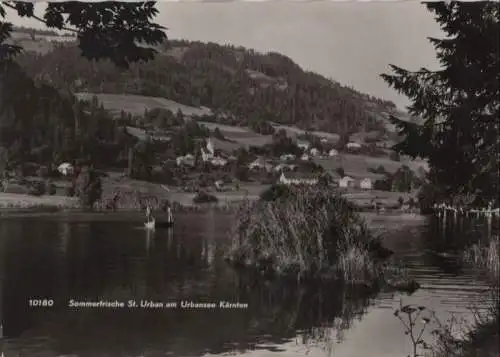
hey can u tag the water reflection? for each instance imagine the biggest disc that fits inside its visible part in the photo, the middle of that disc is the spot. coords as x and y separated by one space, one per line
79 260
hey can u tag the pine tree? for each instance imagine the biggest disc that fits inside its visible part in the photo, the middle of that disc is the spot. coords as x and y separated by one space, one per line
459 102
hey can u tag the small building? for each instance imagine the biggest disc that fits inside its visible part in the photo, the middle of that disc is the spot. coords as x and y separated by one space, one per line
218 161
257 164
298 178
304 145
314 152
66 169
353 145
219 184
333 152
287 157
346 182
366 184
260 164
187 160
305 157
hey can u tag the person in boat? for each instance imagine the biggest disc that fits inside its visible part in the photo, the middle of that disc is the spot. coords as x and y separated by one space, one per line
170 216
149 214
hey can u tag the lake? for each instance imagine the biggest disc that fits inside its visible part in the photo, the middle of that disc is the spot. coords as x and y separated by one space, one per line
63 258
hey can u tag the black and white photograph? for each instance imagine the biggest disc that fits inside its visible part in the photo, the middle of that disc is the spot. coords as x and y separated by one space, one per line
249 178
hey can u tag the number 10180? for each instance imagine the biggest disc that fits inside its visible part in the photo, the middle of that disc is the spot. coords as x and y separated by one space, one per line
41 302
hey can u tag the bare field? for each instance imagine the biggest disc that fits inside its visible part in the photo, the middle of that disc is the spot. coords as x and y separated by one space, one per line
225 128
294 132
136 104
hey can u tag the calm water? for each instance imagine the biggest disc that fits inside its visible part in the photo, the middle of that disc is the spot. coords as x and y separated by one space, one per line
113 258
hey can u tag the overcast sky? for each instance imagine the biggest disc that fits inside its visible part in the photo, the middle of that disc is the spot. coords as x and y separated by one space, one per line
351 42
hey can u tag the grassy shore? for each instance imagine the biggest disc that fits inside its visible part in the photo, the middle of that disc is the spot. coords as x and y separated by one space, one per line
482 339
24 201
310 234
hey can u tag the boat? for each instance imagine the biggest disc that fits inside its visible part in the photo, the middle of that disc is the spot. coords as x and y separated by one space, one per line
151 224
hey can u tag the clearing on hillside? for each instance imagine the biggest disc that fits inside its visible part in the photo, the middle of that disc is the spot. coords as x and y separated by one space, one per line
136 104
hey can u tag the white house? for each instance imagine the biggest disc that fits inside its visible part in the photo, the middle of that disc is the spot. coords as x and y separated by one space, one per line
353 145
187 160
314 152
218 161
284 167
66 169
259 164
287 157
298 178
304 145
346 181
305 157
366 184
333 152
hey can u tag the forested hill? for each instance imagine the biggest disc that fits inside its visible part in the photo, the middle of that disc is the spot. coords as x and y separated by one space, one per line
238 84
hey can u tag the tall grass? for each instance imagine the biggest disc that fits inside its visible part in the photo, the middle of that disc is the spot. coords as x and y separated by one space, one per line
485 257
481 338
310 232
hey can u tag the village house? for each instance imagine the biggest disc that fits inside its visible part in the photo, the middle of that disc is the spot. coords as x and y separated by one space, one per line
219 185
287 157
305 157
187 160
260 164
298 178
285 167
346 182
304 145
65 169
314 152
333 152
218 161
353 145
366 184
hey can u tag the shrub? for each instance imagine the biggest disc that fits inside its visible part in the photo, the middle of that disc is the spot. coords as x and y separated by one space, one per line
274 192
307 232
88 187
203 197
50 188
394 156
70 190
37 188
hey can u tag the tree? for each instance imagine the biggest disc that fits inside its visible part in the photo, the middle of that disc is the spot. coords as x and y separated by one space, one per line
340 171
88 187
218 134
394 156
104 30
460 103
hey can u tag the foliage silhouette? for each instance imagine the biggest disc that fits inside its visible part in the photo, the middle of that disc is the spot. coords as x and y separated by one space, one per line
459 102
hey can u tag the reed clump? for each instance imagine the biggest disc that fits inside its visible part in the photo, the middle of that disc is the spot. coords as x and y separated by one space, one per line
485 257
309 233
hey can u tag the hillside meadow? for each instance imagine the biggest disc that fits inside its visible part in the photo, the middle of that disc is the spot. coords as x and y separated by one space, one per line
136 104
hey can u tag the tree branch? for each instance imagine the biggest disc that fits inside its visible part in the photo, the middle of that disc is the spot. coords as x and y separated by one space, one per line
33 16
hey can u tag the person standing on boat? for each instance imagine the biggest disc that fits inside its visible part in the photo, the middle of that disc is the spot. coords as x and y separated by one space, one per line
149 213
170 216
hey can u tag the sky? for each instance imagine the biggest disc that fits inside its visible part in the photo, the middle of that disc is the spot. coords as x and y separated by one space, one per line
350 42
